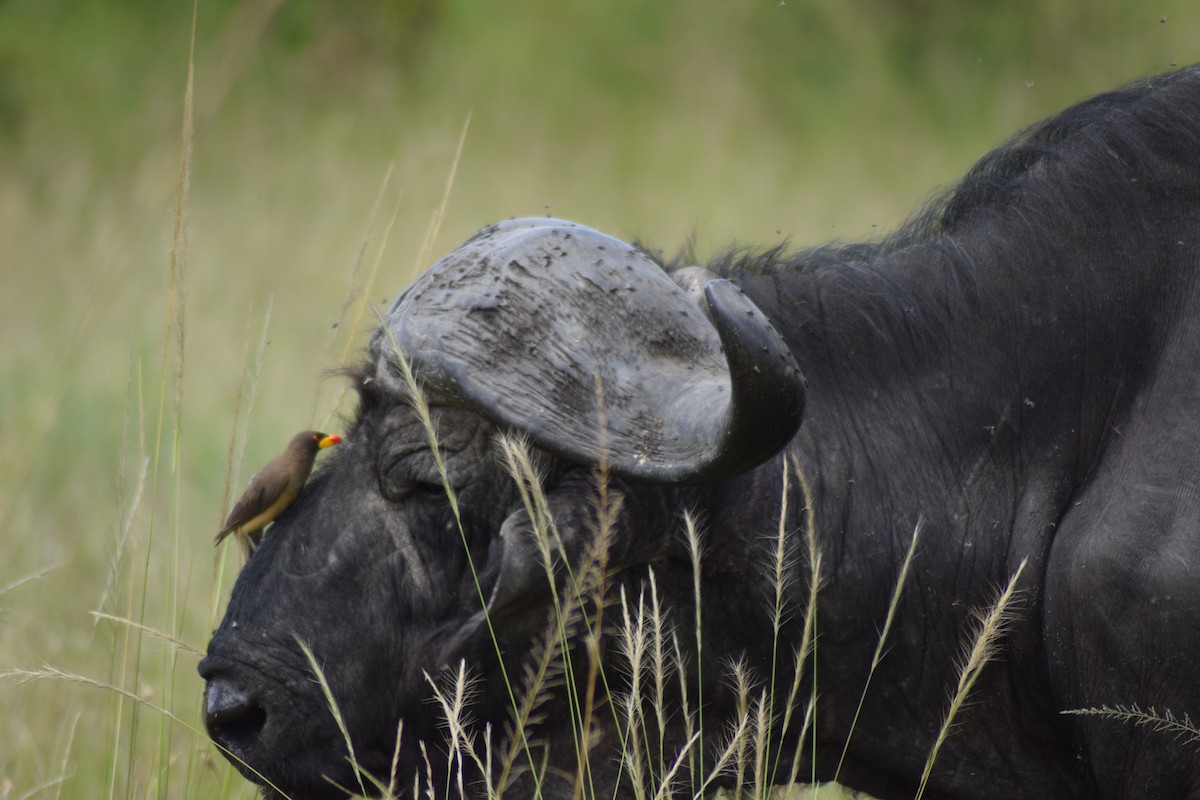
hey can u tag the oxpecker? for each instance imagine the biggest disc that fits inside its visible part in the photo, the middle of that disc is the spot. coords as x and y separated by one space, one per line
273 488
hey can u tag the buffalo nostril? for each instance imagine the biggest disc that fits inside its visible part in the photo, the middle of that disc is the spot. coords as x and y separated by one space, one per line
232 717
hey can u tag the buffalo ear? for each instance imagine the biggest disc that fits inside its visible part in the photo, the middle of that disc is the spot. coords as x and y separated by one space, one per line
522 576
521 570
516 573
584 344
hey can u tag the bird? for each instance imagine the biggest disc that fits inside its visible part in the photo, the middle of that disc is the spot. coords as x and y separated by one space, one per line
273 488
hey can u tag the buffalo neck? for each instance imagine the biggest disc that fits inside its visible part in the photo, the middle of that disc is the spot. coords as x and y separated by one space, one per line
968 387
972 380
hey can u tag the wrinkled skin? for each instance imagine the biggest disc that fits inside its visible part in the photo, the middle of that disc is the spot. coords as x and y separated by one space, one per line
370 571
1014 371
408 563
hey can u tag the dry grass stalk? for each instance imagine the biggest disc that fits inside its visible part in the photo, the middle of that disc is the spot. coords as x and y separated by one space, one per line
428 775
643 640
175 334
1183 730
420 404
174 641
651 648
985 646
19 582
391 787
519 464
331 702
453 698
129 502
780 570
687 714
734 742
54 673
808 636
64 768
593 591
901 580
742 683
695 552
357 296
543 672
589 593
632 641
658 635
179 239
435 224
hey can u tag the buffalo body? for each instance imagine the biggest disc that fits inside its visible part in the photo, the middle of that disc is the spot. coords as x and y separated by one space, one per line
1015 372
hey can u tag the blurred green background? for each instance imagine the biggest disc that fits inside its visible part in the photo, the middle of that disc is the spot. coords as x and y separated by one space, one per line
317 122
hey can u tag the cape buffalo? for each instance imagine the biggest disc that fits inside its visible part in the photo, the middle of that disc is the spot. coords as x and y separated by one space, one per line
1016 372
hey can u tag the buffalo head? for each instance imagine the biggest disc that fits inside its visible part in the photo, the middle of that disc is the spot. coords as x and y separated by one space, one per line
398 561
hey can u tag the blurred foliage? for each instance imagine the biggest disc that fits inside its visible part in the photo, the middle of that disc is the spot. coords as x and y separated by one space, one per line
574 66
751 120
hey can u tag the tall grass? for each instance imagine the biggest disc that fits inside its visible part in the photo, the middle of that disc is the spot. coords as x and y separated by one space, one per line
982 648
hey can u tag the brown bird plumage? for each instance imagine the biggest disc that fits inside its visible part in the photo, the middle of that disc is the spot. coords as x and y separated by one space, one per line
273 488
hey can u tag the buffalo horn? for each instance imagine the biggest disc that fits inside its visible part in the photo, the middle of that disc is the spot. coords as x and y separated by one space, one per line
587 346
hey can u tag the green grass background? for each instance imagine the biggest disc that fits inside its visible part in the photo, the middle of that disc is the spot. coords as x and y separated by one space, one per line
672 121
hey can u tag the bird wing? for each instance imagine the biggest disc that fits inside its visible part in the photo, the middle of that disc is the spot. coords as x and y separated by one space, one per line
267 488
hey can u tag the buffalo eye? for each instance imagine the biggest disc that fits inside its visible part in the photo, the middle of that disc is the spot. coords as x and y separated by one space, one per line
406 466
401 479
399 492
